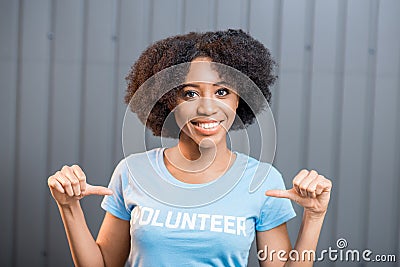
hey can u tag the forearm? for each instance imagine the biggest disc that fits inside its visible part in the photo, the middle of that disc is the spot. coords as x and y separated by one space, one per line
307 240
84 250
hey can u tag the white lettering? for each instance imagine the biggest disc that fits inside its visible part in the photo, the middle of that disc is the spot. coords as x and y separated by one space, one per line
294 255
241 225
177 220
282 255
261 251
229 224
154 221
190 222
143 211
203 217
216 220
135 214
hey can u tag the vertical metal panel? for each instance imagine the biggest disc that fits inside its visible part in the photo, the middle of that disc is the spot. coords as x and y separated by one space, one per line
200 15
133 30
350 216
322 103
166 18
261 22
397 165
180 16
288 154
65 120
116 132
97 108
337 118
31 191
306 82
276 49
245 7
384 173
50 108
369 114
9 16
230 14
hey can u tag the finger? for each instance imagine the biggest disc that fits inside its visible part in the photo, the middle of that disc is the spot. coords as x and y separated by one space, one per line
290 194
66 184
97 190
298 178
54 184
312 187
323 186
277 193
306 182
81 177
69 173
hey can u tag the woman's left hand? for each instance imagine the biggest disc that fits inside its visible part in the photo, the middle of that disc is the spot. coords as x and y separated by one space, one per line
310 190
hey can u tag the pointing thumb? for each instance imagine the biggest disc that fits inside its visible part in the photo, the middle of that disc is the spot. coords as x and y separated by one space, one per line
97 190
281 194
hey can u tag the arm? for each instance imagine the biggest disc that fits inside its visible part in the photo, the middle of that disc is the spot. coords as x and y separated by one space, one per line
312 191
68 186
271 242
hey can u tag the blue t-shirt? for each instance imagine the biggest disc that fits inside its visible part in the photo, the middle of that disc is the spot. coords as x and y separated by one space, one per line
217 234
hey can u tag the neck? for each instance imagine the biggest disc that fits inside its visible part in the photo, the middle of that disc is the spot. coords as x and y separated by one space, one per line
192 157
193 151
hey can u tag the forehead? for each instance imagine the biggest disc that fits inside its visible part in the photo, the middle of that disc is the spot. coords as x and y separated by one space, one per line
202 71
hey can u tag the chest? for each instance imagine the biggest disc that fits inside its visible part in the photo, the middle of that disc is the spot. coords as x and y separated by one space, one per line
157 227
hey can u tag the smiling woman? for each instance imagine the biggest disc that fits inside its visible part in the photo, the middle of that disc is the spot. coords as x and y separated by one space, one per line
208 102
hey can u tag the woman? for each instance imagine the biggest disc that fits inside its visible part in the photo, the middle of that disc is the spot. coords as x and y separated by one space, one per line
149 232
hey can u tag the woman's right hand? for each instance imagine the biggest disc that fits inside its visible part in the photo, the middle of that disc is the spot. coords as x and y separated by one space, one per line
69 185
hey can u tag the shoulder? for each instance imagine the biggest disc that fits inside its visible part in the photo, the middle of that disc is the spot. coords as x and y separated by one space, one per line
137 161
261 175
149 156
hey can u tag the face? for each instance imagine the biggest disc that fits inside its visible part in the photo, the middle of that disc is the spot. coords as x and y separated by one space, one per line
206 107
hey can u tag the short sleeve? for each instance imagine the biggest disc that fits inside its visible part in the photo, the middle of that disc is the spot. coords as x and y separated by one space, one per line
115 203
275 211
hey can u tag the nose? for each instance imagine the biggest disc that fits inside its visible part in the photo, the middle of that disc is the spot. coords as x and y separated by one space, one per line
207 106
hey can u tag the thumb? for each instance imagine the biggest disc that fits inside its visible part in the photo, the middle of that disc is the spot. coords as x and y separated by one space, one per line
282 194
97 190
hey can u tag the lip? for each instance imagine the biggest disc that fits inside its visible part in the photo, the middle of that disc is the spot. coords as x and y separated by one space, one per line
210 131
205 121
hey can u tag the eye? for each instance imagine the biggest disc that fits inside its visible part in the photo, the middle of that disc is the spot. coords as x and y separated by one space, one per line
222 92
190 94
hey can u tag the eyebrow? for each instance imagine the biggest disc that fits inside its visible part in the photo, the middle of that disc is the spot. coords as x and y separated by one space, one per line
197 86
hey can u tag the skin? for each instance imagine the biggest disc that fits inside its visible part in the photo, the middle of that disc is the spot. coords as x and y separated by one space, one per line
199 157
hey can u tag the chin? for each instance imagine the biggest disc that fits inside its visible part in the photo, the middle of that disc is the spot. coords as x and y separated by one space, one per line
207 143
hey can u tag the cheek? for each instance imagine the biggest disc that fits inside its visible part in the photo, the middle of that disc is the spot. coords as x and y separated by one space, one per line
230 114
183 113
230 109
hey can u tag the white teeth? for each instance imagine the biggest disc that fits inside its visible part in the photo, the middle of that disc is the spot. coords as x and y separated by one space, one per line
208 125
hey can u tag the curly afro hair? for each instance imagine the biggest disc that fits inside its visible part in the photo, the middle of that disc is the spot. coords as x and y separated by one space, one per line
233 48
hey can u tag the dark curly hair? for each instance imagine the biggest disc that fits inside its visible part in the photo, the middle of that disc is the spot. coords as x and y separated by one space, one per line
233 48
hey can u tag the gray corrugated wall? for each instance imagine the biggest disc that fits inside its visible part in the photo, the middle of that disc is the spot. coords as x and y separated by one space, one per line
62 68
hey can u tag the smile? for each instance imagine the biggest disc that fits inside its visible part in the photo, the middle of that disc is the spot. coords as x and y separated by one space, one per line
206 125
